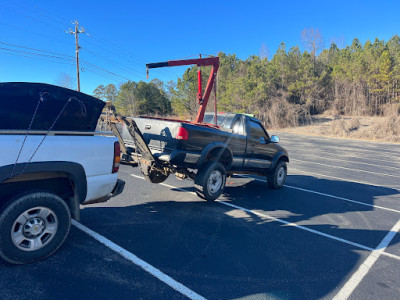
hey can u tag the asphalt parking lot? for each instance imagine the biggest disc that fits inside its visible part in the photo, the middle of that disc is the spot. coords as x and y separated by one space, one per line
331 232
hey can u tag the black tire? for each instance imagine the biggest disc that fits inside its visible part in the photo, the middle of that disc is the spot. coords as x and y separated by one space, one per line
153 176
210 181
29 219
276 178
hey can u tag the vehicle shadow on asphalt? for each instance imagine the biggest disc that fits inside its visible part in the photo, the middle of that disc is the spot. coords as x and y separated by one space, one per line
224 253
317 211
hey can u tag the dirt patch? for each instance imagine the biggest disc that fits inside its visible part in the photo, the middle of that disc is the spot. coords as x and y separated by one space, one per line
386 129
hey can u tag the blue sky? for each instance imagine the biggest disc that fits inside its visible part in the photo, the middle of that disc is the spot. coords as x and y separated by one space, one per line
121 36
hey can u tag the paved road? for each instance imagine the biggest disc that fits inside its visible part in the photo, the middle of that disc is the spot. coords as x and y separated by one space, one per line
331 231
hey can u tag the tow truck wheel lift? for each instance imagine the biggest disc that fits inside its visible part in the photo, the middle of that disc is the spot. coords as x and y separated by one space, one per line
153 169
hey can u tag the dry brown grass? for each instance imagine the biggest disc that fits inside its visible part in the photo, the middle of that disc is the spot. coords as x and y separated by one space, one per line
385 129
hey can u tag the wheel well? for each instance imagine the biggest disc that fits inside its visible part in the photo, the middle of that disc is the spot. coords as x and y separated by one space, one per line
53 182
221 155
284 158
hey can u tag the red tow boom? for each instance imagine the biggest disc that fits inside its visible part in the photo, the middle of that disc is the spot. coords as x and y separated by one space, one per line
200 62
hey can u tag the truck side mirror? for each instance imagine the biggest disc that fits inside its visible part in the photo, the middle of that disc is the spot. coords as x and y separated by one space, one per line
274 139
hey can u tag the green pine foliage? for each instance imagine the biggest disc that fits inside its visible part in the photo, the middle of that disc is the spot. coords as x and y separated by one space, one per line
137 98
284 91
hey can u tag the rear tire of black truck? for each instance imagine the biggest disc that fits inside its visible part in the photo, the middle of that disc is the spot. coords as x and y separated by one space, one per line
210 181
277 177
32 227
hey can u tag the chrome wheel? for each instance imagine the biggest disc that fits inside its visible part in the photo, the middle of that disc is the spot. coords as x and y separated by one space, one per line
34 228
214 182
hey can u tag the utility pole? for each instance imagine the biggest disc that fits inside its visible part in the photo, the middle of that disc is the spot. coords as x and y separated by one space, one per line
76 32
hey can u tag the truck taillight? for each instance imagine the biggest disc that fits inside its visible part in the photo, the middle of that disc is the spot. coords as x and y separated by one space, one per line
182 134
117 157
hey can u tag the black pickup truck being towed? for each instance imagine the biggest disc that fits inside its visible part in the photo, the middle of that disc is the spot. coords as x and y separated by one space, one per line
204 152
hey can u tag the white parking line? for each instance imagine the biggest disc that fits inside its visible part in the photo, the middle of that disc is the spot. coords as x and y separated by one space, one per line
355 280
316 150
345 168
345 179
250 211
328 195
141 263
283 222
347 140
324 152
353 148
312 154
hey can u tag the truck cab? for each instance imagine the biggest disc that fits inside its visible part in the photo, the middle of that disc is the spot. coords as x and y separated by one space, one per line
252 147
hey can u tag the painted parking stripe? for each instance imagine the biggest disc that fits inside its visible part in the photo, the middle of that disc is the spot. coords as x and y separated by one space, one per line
282 221
344 151
345 168
250 211
342 148
326 152
347 145
139 262
345 179
313 155
363 270
328 195
313 137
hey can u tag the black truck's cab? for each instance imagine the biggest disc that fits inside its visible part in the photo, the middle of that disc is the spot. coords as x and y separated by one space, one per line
252 148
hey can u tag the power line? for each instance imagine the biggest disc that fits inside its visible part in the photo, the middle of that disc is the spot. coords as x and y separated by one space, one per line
109 43
37 54
35 9
57 19
47 59
69 59
30 17
57 55
32 32
115 53
103 75
60 20
35 49
56 61
104 70
33 18
122 67
133 58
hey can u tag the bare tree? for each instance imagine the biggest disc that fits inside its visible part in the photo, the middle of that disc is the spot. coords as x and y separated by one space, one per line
313 41
339 41
66 80
264 51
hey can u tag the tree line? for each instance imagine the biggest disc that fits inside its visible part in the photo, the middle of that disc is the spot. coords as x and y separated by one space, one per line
360 79
139 98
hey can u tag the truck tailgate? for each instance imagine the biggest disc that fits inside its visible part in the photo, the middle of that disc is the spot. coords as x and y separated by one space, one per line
158 134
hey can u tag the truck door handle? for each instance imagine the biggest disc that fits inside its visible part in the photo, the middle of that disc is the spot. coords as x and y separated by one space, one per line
147 126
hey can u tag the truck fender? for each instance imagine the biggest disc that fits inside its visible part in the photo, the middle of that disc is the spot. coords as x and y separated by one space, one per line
281 155
74 171
218 147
